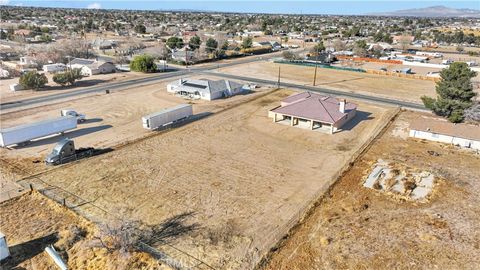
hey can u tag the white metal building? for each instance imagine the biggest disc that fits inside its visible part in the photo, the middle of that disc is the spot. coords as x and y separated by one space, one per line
440 130
52 68
205 89
91 67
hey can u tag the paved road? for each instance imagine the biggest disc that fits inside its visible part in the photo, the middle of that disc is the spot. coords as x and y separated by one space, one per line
208 70
125 84
326 91
89 90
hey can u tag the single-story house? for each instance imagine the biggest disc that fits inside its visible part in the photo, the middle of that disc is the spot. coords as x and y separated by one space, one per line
102 44
440 130
205 89
27 62
52 68
275 45
323 57
91 67
261 44
181 55
402 38
314 111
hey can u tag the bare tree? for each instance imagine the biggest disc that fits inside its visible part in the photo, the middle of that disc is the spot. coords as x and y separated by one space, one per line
121 235
472 114
404 42
339 45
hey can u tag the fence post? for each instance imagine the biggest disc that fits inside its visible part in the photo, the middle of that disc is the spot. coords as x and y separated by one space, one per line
31 187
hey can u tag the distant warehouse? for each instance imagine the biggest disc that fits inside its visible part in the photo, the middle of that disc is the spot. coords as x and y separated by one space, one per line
440 130
314 111
205 89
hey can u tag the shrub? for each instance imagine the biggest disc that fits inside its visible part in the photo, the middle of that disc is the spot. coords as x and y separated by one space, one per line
33 80
143 63
68 77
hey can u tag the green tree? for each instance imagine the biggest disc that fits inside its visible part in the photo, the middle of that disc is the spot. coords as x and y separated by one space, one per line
143 63
194 43
33 80
247 43
223 49
319 47
68 77
175 42
46 38
211 45
140 28
360 48
454 92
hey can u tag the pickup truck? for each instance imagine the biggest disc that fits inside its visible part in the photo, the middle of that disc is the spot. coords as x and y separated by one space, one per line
69 112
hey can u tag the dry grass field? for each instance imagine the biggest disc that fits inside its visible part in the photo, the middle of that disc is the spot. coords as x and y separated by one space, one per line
235 182
6 95
355 82
112 119
32 222
358 228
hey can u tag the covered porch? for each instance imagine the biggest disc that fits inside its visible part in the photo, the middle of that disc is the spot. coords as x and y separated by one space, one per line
302 123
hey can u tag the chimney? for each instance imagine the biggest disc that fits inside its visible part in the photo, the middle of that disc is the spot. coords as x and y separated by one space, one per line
342 106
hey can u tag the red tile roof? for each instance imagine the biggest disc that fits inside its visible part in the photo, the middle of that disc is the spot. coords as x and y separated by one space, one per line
315 107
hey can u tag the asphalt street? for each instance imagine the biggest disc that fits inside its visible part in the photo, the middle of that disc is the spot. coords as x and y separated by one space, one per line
207 70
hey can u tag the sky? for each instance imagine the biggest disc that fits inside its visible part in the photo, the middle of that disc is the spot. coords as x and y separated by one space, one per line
340 7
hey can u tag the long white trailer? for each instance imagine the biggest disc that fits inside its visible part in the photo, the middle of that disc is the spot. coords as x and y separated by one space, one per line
24 133
167 116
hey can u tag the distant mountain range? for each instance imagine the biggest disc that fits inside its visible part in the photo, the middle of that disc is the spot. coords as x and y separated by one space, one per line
435 11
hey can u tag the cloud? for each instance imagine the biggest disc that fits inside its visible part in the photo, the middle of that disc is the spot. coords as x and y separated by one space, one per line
4 2
91 6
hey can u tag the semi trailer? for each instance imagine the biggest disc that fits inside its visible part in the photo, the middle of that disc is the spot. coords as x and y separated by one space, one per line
167 116
22 134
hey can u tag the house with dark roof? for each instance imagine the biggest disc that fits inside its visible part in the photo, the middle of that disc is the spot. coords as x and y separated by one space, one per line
314 111
205 89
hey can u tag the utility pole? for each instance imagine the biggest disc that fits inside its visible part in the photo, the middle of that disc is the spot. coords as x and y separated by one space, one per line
278 82
69 62
316 64
186 56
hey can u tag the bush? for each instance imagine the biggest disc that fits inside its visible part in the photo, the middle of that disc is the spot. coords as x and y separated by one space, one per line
68 77
289 55
33 80
456 116
61 78
143 63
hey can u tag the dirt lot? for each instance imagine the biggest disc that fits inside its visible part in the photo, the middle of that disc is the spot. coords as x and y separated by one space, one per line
390 87
52 88
32 222
358 228
236 180
112 119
